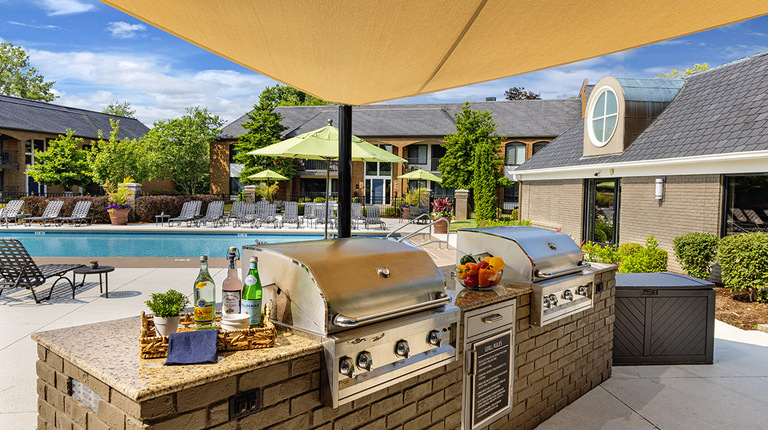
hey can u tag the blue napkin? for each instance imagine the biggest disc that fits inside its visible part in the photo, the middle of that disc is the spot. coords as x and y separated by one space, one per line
192 347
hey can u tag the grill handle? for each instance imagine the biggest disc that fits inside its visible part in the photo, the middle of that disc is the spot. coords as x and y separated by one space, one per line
582 265
343 321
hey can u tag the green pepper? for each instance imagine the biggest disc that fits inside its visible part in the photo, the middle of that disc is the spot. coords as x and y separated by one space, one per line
468 259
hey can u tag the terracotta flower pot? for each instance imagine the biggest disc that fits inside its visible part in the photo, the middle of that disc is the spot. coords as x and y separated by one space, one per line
441 227
119 216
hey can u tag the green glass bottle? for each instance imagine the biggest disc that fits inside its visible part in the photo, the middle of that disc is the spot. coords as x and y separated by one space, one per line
205 297
251 303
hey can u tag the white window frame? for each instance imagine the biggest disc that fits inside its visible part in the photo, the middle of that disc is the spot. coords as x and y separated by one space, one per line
591 117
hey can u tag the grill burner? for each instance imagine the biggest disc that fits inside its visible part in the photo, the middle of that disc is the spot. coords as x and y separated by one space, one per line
549 262
379 308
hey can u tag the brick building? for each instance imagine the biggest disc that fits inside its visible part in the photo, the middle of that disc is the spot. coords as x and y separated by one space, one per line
658 156
412 131
28 125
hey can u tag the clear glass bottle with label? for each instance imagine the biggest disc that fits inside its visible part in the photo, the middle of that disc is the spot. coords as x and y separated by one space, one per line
232 287
205 297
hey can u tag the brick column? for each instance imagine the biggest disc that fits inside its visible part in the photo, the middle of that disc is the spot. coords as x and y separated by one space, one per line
135 189
462 204
250 193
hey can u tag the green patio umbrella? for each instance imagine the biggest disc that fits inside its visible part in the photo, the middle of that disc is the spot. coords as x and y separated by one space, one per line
421 175
267 175
323 144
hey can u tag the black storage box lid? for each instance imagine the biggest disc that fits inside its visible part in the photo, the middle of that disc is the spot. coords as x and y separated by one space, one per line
661 280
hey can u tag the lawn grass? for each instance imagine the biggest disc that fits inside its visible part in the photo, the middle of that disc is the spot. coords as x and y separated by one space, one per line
465 223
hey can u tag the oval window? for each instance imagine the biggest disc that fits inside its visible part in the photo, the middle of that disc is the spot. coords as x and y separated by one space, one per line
604 117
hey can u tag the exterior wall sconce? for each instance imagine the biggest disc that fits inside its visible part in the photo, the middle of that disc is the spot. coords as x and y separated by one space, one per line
659 194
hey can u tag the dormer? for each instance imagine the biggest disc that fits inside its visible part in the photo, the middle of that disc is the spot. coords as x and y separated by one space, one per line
619 109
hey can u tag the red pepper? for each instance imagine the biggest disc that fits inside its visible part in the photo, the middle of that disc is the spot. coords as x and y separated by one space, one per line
483 264
470 281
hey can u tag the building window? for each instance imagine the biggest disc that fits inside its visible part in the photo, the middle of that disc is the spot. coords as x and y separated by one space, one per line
514 154
603 117
511 197
417 154
601 210
538 146
232 153
746 204
235 186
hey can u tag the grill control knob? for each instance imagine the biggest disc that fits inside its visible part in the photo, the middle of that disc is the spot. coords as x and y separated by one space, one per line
435 338
364 360
402 349
546 302
582 290
552 299
347 367
567 295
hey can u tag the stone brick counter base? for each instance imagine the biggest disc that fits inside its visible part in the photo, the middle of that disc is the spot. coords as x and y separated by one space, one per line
554 366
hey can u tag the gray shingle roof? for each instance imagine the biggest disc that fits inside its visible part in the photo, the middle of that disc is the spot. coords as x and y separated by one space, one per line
33 115
530 118
719 111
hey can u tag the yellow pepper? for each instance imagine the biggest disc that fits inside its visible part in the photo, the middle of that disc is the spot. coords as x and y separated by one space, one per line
461 271
495 263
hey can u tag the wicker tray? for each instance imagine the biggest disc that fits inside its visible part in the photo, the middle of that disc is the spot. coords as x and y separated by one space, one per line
153 346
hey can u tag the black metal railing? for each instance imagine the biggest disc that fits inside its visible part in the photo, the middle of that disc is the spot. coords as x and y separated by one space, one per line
423 163
9 157
315 165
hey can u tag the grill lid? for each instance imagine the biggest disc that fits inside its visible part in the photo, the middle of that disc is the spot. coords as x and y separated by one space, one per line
352 281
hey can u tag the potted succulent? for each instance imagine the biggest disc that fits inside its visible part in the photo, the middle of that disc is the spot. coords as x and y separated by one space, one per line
441 208
118 207
167 307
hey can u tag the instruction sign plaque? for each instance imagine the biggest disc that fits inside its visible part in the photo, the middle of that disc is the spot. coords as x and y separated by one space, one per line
492 381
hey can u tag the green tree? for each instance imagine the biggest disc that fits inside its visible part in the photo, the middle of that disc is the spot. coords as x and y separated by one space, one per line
264 129
18 78
677 74
113 160
282 95
121 109
181 148
484 181
520 93
62 164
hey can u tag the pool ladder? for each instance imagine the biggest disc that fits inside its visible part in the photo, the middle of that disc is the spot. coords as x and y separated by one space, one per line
419 231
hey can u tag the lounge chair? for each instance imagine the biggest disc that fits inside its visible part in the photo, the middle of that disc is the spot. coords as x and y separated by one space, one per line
79 214
189 213
18 269
291 214
49 215
357 214
214 213
11 211
755 219
309 213
319 212
248 214
269 215
236 211
372 217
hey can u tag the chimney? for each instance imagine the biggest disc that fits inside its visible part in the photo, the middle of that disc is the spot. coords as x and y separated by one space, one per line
490 99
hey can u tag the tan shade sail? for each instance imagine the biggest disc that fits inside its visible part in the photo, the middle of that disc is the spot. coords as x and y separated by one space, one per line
358 52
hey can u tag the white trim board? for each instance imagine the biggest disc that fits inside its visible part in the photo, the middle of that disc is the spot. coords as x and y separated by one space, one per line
730 163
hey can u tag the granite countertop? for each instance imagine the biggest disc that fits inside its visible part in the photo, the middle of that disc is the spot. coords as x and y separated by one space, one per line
110 352
467 299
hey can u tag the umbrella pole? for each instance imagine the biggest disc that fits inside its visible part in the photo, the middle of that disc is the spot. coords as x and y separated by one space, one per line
345 171
327 193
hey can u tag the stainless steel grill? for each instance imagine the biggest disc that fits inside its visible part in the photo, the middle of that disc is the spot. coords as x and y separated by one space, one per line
549 262
379 307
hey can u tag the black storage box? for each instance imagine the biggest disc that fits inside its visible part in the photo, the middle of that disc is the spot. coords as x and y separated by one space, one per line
663 318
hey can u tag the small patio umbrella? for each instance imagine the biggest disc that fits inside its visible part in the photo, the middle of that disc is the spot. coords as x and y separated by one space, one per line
323 144
268 174
421 175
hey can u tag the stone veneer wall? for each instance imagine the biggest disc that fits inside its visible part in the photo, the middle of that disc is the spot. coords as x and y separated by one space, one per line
554 205
554 366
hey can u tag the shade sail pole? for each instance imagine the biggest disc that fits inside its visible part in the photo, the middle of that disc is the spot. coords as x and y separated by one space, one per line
345 171
327 193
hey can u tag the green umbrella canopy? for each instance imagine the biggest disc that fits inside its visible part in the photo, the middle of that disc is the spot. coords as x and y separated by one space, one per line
323 144
268 174
421 175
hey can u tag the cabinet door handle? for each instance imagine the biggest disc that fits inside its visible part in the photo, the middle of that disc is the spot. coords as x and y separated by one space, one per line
492 319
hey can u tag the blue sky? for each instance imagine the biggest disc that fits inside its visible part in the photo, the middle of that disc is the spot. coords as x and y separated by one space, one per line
97 54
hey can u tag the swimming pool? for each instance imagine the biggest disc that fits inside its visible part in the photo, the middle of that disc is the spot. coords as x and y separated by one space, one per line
134 244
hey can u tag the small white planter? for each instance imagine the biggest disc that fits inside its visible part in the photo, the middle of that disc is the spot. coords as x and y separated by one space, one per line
166 326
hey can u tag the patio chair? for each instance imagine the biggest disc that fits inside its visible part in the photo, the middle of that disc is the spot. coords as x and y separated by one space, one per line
372 217
741 219
189 211
309 213
51 212
754 218
357 214
248 214
291 214
237 210
18 269
269 215
11 211
79 214
214 213
319 212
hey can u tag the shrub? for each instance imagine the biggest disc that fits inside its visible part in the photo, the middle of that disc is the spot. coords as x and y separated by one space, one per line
155 192
696 253
743 261
515 214
319 200
600 254
626 249
603 232
644 260
147 207
35 205
392 211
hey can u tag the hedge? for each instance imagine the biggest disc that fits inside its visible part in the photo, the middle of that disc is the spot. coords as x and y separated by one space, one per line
35 205
631 257
743 262
696 253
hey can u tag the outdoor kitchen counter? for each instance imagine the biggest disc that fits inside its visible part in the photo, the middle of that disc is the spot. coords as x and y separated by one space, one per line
471 299
109 352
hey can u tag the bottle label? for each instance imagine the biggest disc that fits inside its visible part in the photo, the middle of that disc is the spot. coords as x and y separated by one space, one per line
203 312
250 280
252 308
230 302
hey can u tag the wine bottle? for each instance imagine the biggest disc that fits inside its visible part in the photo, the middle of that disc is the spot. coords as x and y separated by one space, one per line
251 303
232 288
205 297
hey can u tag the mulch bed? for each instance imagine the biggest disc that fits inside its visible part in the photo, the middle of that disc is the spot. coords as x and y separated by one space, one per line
733 309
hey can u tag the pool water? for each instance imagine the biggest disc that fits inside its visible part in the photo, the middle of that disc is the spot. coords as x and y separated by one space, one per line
179 245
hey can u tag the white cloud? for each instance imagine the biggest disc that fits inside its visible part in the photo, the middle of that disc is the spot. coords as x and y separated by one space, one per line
156 89
736 52
40 26
123 30
65 7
